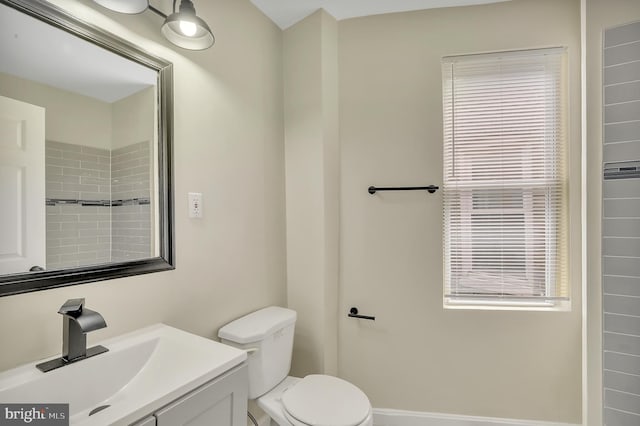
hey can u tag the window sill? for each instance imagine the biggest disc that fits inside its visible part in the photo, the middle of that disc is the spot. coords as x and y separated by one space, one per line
508 305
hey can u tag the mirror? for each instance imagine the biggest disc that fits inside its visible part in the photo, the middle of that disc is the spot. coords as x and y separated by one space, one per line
85 152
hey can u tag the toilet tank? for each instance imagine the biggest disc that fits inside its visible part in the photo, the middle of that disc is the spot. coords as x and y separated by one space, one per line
268 336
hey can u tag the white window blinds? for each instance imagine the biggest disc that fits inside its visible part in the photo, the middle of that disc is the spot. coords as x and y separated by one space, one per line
504 188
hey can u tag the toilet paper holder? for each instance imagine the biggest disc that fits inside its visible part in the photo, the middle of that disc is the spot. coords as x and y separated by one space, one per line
353 313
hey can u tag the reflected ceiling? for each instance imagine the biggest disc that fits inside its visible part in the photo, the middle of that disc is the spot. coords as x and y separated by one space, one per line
95 72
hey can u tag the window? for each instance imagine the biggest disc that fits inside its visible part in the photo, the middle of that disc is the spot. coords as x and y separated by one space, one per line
504 179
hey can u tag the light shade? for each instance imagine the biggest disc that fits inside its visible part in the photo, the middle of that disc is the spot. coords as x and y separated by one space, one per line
125 6
186 30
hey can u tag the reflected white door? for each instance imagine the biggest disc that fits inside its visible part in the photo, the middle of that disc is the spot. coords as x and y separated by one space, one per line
22 187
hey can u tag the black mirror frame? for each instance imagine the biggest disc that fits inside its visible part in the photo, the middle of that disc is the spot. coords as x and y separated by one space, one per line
23 283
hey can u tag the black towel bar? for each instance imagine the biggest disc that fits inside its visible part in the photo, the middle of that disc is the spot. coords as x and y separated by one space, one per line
431 189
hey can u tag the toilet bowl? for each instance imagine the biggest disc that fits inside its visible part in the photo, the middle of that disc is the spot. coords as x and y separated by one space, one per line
315 400
284 411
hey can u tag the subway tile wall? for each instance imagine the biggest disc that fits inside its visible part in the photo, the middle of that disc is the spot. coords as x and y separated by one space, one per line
98 204
621 228
77 234
130 185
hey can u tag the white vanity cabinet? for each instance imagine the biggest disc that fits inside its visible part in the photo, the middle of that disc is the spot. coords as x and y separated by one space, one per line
220 402
154 376
148 421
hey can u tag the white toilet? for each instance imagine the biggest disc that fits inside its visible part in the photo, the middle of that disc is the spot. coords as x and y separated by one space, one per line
316 400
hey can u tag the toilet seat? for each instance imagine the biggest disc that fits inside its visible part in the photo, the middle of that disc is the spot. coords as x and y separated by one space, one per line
320 400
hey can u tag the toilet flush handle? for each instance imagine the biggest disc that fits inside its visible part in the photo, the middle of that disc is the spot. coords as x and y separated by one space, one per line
250 351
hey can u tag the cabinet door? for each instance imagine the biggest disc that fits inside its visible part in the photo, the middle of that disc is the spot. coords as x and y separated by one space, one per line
221 402
149 421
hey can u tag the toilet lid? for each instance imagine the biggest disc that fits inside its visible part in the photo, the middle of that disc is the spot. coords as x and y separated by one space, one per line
319 400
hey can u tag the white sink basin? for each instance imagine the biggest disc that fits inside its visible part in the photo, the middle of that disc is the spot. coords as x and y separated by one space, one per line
143 371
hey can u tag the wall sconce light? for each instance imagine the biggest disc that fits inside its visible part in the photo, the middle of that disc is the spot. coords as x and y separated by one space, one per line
186 30
182 28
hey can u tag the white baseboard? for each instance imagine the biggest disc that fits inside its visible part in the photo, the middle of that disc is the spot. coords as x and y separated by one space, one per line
387 417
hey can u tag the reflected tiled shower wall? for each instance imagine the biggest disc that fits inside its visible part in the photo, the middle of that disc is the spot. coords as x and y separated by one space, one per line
131 226
98 204
621 226
78 204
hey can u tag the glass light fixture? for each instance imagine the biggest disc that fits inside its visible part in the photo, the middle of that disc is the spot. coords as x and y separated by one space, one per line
125 6
183 28
186 30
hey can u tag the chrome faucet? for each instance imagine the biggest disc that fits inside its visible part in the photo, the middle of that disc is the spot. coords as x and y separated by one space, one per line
77 321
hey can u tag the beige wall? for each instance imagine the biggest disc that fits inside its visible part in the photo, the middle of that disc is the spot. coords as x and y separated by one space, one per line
600 14
229 146
69 117
134 118
416 355
312 187
81 120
